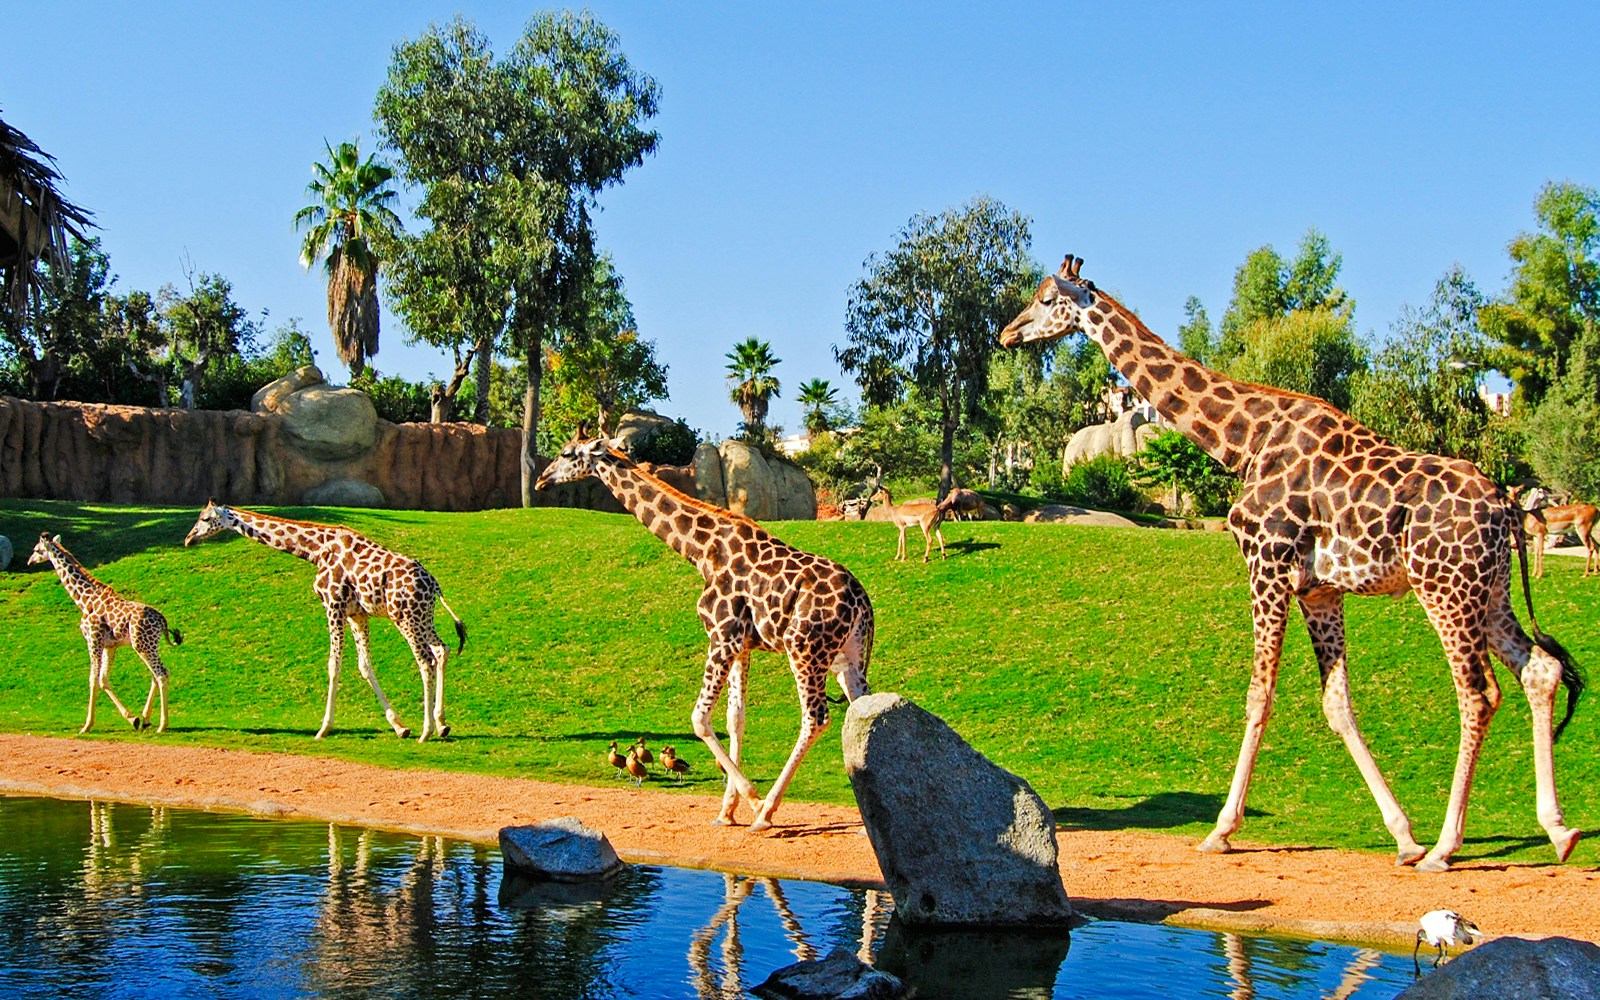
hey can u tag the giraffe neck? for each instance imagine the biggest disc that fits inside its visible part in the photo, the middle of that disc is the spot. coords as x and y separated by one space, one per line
1226 418
294 537
80 586
690 527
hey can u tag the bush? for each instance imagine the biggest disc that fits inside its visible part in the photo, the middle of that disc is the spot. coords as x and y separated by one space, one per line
672 444
1102 482
395 399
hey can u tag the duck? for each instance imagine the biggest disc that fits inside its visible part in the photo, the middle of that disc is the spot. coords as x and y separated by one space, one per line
637 769
616 760
643 752
673 763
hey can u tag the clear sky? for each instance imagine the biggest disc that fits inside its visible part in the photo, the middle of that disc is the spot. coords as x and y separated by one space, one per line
1162 142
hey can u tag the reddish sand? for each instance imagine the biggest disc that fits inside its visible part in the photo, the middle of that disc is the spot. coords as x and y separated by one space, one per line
1335 895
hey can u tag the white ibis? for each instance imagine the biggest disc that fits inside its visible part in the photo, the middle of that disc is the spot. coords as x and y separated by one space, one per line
1440 928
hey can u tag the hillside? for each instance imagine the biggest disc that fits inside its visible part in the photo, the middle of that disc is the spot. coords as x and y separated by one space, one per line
1107 666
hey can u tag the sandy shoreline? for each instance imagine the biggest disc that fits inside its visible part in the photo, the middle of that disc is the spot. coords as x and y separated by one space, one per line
1301 892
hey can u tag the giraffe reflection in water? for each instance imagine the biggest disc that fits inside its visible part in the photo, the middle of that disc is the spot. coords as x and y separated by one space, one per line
1237 950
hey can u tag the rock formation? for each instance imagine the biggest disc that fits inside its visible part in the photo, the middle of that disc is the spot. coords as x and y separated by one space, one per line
960 840
1126 435
840 976
1515 969
559 850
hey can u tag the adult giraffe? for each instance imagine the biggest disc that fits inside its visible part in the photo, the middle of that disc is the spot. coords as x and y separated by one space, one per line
356 580
1329 508
760 594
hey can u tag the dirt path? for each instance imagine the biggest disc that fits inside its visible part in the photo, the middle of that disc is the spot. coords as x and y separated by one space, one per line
1335 895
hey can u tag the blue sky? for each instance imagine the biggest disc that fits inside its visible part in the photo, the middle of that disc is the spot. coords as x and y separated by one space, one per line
1161 142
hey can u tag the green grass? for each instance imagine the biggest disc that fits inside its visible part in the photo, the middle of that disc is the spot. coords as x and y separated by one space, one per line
1107 666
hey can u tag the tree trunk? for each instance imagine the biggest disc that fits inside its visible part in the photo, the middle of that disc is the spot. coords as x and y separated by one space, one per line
530 421
485 359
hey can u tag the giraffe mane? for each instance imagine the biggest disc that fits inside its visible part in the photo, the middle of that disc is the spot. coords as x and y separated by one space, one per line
693 502
288 520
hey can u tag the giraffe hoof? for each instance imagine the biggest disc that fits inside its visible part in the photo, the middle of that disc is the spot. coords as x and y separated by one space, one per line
1214 845
1564 844
137 723
759 825
1433 865
405 733
444 731
1409 855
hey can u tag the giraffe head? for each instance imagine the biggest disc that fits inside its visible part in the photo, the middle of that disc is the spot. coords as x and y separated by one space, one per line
578 460
214 518
41 551
1057 308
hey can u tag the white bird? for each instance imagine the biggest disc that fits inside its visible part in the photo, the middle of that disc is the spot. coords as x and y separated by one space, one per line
1441 928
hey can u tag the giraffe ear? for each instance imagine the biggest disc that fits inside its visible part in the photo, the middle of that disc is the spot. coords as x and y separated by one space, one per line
56 539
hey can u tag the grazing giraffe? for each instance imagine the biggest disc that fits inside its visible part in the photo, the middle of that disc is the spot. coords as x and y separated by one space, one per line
1329 508
759 594
356 580
110 622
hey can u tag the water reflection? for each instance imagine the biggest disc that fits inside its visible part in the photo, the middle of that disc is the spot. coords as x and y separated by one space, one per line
111 900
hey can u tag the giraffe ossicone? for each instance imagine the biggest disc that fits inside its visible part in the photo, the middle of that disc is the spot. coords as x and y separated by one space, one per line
760 594
356 580
108 623
1328 508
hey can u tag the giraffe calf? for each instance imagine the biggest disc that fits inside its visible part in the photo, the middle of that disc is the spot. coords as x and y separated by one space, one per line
110 622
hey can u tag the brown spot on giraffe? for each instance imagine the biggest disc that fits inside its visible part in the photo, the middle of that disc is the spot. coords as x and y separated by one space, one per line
760 594
108 623
1403 522
356 580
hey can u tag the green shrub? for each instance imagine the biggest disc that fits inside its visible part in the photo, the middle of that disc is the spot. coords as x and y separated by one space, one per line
672 444
1102 482
395 399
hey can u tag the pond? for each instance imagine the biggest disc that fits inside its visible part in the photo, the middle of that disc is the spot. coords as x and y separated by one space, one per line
106 900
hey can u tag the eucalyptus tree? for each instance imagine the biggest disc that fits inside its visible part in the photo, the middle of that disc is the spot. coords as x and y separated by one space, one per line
603 366
751 383
347 224
523 146
929 311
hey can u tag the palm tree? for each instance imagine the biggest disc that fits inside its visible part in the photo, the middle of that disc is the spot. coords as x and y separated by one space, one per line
750 365
349 215
35 222
817 397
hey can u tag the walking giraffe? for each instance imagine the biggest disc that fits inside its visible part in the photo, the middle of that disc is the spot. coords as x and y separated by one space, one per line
356 580
1329 508
110 622
759 594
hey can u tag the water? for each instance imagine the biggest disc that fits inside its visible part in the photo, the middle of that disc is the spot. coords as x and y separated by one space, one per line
106 901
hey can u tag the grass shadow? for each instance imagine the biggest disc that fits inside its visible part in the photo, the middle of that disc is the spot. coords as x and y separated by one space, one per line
95 535
968 546
1161 811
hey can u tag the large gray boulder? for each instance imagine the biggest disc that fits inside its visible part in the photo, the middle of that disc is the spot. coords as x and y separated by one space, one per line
1127 435
635 427
1553 968
330 424
797 498
748 481
840 976
270 397
708 484
559 850
344 493
6 552
960 840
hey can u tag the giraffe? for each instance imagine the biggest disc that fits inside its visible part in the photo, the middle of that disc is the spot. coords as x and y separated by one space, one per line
356 580
1329 508
760 594
110 622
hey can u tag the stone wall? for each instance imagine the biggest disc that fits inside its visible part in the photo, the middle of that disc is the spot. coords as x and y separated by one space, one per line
134 454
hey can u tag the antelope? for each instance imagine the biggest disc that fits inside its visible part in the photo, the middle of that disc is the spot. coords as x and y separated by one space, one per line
1540 521
925 514
962 505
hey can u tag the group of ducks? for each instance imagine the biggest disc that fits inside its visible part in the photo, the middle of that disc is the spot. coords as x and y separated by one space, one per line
636 761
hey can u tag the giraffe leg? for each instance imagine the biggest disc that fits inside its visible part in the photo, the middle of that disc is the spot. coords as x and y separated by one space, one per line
811 678
336 623
1540 674
724 653
440 653
106 656
94 682
1324 614
738 680
1270 612
158 683
360 631
1477 698
429 666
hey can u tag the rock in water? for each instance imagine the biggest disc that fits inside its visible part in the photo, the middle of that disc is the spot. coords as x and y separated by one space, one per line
560 850
960 840
1515 969
840 976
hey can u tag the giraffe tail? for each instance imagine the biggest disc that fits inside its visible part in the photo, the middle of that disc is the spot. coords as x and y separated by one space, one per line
1571 677
174 635
461 626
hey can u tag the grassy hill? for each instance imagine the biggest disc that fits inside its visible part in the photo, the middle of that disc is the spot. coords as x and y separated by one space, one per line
1107 666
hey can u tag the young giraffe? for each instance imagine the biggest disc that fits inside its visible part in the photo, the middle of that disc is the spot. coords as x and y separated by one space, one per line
759 594
1329 508
356 580
110 622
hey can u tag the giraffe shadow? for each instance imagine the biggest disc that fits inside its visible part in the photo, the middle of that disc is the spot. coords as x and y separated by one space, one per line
968 546
1475 848
1161 811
